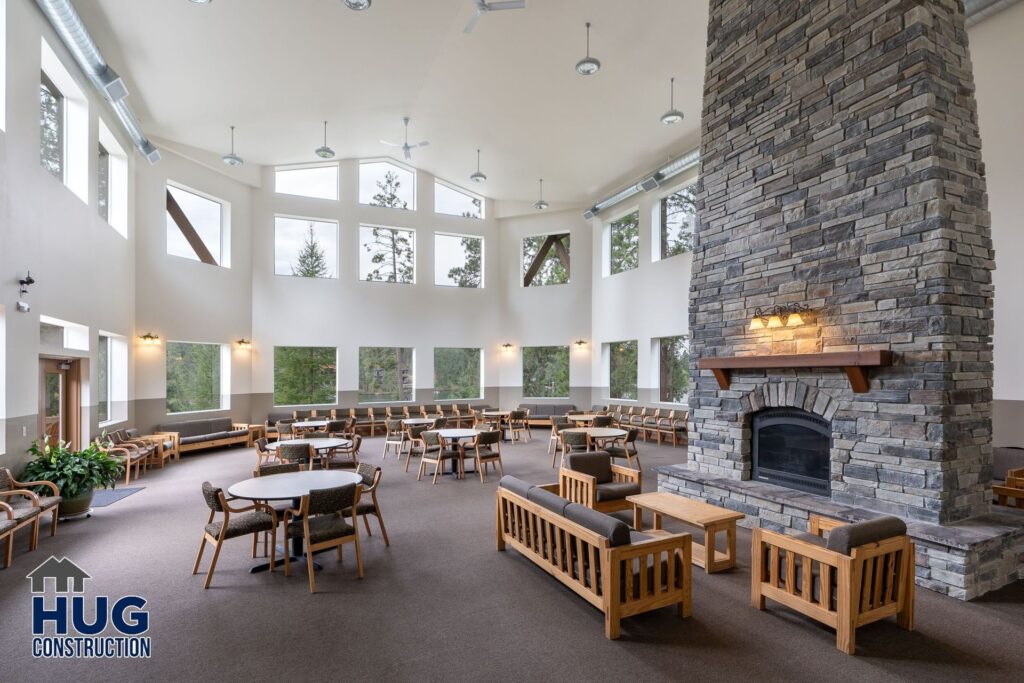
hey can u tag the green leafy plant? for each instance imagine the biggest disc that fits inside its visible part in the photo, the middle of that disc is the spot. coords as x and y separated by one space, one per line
74 472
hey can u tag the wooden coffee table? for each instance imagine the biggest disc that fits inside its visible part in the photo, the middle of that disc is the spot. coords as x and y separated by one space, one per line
701 515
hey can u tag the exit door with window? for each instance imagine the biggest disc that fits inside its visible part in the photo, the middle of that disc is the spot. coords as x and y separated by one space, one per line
59 400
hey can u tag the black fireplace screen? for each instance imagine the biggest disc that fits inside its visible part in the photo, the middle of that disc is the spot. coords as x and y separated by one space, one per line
791 448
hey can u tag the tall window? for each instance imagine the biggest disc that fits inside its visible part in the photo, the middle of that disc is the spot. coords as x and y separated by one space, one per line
319 182
546 371
103 181
385 374
103 376
194 380
678 213
458 260
624 243
454 202
387 254
457 374
622 370
305 375
195 226
546 260
382 183
674 368
304 247
51 127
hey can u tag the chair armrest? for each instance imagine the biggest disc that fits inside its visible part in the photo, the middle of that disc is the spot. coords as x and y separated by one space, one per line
818 525
553 488
577 487
799 547
174 437
622 473
5 508
24 493
240 425
30 484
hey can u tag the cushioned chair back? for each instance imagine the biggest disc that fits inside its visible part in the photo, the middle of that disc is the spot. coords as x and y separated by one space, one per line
440 422
261 445
603 421
597 464
843 539
574 438
415 431
517 415
335 426
357 441
615 530
279 468
488 438
315 435
631 435
212 495
367 472
284 426
393 425
5 480
302 414
336 499
558 422
431 438
219 424
294 452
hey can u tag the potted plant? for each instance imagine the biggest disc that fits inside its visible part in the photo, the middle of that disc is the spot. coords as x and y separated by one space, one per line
76 473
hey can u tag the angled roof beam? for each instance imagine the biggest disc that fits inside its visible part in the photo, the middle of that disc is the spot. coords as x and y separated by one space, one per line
189 232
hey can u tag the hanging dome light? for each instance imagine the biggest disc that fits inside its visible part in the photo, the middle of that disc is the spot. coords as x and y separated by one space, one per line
540 204
588 66
232 159
673 115
358 4
325 152
478 177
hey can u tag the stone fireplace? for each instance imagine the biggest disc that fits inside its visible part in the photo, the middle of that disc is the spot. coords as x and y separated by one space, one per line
841 171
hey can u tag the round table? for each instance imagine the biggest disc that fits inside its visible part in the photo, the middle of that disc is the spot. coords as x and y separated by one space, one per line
599 433
310 424
318 444
290 485
585 417
502 416
413 421
455 435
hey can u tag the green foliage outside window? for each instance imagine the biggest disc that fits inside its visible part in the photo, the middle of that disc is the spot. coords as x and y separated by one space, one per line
470 274
624 253
678 214
674 369
305 375
456 374
385 374
312 260
622 370
103 379
546 371
552 270
51 127
193 377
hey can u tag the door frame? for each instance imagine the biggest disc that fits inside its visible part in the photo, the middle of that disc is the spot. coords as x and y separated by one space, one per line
71 396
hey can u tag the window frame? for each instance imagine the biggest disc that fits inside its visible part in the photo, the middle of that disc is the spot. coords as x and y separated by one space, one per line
415 252
522 371
658 223
412 206
337 246
305 167
224 377
606 239
522 259
225 225
455 188
483 259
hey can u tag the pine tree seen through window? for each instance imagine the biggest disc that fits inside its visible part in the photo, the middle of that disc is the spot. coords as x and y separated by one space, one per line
51 127
458 260
193 377
678 214
305 375
622 370
546 371
103 379
305 247
457 374
674 369
624 243
385 374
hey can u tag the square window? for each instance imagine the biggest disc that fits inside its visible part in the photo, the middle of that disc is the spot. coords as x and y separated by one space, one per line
454 202
304 247
387 254
458 260
195 226
385 374
546 260
319 182
305 375
546 371
382 183
458 374
194 377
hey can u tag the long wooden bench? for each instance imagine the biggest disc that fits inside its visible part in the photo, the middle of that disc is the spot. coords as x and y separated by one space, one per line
618 572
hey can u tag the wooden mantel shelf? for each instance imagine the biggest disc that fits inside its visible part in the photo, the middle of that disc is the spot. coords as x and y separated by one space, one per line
855 363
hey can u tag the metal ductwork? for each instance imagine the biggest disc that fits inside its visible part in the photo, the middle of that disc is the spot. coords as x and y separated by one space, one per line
976 10
648 183
76 38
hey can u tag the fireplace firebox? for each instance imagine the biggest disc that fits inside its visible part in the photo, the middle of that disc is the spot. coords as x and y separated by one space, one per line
791 447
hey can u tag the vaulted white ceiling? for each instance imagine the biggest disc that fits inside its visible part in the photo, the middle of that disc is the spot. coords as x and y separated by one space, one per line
276 69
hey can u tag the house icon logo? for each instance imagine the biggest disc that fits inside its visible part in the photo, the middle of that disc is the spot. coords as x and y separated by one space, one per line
67 576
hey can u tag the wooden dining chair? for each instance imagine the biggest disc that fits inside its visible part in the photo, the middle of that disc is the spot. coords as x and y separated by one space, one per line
625 447
485 450
558 422
303 453
346 457
236 522
519 424
368 503
321 519
394 437
572 442
436 453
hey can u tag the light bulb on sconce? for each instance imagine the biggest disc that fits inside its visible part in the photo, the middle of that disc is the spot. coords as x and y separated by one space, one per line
756 323
150 339
244 344
794 320
778 316
773 322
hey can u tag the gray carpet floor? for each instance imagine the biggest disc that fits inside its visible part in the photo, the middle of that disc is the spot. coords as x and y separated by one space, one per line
442 604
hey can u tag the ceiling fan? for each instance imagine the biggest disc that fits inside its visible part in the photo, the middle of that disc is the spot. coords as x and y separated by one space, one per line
483 7
406 147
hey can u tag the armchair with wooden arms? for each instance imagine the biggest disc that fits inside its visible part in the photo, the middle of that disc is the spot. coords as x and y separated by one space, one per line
25 509
591 479
120 437
1011 492
46 503
129 455
164 448
862 573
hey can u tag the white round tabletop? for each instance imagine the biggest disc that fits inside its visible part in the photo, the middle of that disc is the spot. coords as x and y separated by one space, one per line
585 417
496 413
457 433
418 421
598 432
318 444
310 424
291 484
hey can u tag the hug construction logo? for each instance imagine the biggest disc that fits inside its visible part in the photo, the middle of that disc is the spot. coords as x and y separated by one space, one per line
81 628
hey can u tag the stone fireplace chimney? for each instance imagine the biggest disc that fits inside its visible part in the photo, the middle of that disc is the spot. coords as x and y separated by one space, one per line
841 169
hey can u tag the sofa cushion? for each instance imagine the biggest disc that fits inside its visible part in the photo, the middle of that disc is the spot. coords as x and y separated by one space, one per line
616 490
238 432
548 500
220 424
597 464
515 485
844 538
201 438
616 531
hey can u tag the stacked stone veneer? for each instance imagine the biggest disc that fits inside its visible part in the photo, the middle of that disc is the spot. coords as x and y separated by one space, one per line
841 168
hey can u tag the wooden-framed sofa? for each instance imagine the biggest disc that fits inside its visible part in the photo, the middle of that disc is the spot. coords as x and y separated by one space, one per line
862 573
541 413
195 435
620 572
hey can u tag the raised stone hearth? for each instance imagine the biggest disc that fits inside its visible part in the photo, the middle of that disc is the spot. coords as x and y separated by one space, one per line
841 171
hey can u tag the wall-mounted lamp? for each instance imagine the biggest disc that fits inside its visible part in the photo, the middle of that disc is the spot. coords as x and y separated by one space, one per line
244 344
778 316
23 306
507 346
150 339
580 343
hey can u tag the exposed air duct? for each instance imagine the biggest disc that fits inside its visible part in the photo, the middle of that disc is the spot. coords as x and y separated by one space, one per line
648 183
76 38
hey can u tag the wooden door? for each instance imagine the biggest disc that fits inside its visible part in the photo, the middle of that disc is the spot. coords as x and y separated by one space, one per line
59 400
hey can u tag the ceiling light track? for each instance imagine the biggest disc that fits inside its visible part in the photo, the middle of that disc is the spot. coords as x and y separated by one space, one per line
72 32
648 183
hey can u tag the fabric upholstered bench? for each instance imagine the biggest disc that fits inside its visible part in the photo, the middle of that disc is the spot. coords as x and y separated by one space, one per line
197 434
618 571
541 413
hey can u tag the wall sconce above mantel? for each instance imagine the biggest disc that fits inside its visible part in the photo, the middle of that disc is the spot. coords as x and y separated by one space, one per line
775 317
149 339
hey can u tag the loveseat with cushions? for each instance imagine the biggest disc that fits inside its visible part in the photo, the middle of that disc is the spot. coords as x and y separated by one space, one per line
541 413
618 571
194 435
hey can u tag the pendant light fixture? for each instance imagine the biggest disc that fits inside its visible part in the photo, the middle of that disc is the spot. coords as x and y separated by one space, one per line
325 152
540 204
588 66
478 177
673 115
358 4
232 159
